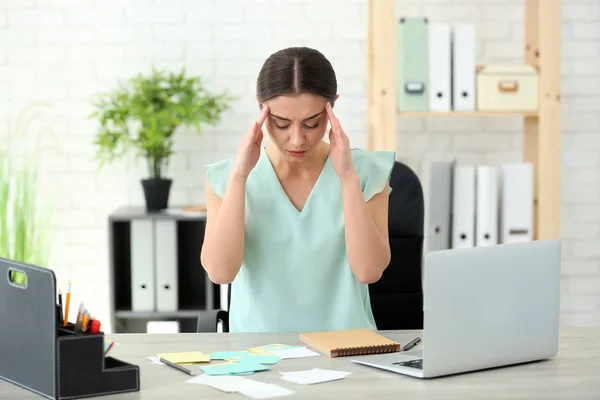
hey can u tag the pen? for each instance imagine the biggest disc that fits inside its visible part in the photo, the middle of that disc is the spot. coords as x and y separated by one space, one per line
66 320
411 344
176 366
60 304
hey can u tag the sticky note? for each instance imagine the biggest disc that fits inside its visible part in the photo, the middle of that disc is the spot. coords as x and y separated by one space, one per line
295 352
233 368
224 355
189 357
259 358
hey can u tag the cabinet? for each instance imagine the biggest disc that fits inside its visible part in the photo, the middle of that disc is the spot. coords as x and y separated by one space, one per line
155 270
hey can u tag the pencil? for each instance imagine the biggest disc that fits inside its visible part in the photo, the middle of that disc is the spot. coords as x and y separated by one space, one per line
66 320
176 366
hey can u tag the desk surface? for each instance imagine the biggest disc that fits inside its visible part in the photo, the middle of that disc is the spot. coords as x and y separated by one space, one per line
574 374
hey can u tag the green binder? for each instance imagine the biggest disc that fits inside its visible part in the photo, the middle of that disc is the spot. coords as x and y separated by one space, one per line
413 64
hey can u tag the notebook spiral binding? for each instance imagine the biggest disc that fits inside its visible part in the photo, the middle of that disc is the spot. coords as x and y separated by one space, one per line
365 350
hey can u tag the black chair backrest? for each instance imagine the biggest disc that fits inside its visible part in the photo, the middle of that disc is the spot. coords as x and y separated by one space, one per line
397 298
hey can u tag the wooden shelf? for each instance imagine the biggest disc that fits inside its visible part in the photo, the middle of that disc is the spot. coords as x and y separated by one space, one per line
541 129
516 113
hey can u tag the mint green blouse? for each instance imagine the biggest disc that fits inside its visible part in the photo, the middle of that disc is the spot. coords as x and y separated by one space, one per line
295 275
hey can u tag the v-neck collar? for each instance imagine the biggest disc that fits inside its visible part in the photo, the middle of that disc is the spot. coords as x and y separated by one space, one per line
269 165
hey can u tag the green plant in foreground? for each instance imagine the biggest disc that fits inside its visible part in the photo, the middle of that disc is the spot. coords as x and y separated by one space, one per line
143 113
24 216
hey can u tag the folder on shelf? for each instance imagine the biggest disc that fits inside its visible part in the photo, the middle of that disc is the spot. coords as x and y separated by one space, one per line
464 66
438 205
165 239
486 216
440 68
413 64
516 213
40 354
142 265
463 207
350 342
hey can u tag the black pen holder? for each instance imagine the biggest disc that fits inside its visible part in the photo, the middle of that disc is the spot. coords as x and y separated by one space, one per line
82 370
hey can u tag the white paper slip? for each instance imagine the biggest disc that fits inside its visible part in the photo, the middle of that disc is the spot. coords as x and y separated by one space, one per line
242 385
312 376
155 360
294 352
223 383
261 390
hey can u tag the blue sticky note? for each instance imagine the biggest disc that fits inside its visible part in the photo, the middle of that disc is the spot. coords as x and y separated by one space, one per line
257 358
225 355
234 368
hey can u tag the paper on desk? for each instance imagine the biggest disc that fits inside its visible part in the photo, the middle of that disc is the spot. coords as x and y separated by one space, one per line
189 357
155 360
245 386
294 352
233 368
312 376
261 357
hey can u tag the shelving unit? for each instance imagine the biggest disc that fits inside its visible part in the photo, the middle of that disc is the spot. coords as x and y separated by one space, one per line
195 293
541 129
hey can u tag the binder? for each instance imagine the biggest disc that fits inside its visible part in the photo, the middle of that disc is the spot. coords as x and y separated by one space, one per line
165 239
142 265
413 65
349 342
463 207
440 67
486 216
516 213
40 355
438 205
464 67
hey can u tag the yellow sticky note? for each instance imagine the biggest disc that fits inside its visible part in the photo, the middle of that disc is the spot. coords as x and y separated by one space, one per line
189 357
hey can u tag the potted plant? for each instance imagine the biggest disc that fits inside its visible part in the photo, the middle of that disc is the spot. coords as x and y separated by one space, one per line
143 114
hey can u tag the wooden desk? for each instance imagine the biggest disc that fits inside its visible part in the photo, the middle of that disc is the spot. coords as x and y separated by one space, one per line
574 374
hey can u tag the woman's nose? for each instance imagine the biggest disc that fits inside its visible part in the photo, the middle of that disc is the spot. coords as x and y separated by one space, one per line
297 138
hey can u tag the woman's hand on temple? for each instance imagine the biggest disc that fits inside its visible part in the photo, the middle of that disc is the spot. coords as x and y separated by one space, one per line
249 149
341 157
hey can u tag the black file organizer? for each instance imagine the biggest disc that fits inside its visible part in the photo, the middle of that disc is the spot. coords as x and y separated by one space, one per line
39 354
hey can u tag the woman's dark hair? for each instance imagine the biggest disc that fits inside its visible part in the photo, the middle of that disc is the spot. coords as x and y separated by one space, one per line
296 70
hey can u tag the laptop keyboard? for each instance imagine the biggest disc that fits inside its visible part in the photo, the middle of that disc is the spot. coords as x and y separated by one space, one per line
417 364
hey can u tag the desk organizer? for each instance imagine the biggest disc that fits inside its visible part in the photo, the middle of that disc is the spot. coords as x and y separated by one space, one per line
82 370
37 353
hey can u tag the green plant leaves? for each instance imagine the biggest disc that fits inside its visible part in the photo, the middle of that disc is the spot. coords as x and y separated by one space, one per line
158 103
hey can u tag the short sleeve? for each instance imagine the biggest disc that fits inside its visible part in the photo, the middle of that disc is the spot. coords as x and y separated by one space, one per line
217 175
374 169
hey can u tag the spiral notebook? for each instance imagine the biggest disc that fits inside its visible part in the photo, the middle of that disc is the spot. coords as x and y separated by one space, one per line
351 342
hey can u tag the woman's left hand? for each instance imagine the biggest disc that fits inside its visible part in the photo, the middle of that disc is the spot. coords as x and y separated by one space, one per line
341 157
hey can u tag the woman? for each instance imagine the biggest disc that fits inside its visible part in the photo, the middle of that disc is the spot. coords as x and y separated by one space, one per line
299 226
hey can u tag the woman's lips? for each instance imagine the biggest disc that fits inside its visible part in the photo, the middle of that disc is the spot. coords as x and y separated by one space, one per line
297 153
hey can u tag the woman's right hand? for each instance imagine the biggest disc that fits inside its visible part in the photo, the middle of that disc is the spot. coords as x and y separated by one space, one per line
249 149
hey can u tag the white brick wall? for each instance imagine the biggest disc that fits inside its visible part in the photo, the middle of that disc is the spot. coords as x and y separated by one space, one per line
59 53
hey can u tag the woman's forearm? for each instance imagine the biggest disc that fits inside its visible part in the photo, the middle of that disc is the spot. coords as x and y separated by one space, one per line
223 247
367 249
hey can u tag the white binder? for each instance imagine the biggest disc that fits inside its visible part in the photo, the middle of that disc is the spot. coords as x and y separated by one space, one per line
464 67
516 213
142 265
486 216
463 207
165 239
440 66
437 193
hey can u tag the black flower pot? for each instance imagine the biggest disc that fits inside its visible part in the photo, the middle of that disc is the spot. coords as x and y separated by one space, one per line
156 192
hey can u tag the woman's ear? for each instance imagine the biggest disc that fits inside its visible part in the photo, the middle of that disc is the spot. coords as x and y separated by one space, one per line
332 103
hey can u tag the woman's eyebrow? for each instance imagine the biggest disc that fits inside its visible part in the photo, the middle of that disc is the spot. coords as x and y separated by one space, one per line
305 119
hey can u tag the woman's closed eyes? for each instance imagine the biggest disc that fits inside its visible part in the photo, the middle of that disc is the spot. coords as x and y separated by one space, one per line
307 126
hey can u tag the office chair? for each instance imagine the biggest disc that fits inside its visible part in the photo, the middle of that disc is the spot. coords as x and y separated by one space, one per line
397 298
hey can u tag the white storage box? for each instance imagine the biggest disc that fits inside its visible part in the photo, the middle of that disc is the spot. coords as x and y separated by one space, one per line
507 88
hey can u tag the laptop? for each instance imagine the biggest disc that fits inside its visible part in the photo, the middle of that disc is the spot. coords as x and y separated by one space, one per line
484 307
